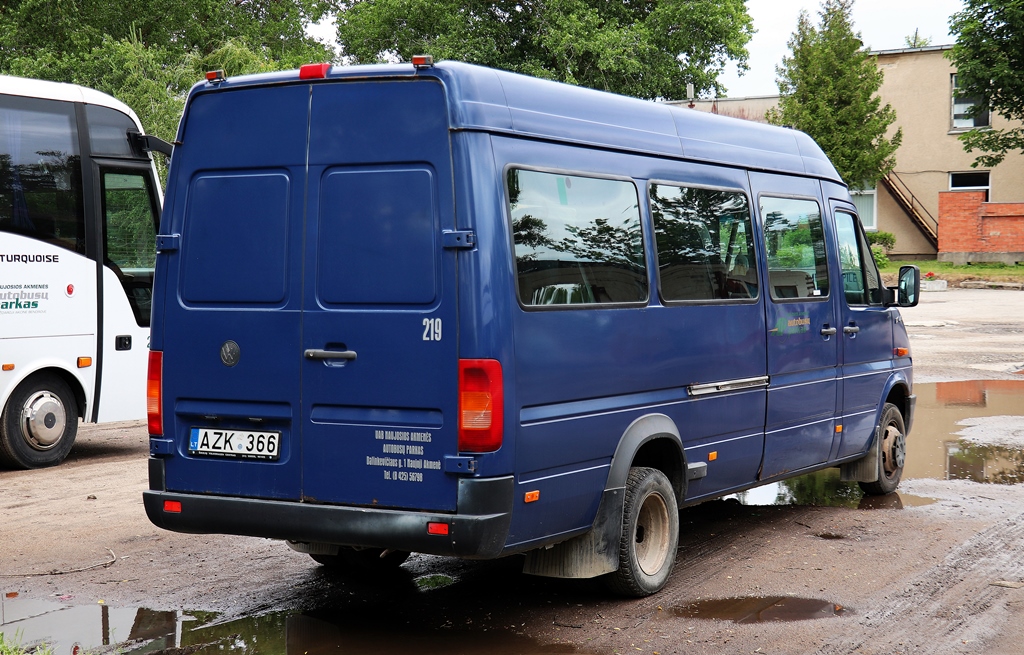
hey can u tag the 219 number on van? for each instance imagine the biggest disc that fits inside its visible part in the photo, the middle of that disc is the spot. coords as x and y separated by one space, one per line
232 443
431 329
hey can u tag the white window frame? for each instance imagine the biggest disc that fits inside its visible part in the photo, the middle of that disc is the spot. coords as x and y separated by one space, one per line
966 123
871 226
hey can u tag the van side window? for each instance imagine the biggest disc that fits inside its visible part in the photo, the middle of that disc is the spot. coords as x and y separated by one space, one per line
577 239
795 241
861 282
705 243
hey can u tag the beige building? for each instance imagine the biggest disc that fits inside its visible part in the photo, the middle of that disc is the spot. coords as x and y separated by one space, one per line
920 84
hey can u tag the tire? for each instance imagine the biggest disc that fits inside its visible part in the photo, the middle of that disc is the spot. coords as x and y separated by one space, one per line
892 453
39 423
366 560
650 534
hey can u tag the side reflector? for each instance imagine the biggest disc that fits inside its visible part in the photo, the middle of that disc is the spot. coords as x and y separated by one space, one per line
172 506
84 362
901 352
532 497
154 393
314 71
839 429
422 61
713 455
437 528
481 403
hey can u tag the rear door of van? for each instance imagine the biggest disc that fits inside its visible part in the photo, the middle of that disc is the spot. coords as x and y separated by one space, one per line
380 287
315 298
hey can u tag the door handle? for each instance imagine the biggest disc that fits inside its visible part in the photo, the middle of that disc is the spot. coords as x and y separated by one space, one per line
851 329
314 353
828 331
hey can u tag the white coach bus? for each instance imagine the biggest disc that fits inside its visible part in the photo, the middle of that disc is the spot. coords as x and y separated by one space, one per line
79 206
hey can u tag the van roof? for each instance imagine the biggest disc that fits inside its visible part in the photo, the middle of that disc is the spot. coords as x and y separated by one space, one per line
31 88
486 99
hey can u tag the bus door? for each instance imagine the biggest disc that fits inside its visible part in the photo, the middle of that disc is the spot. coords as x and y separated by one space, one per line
129 216
379 331
865 332
801 322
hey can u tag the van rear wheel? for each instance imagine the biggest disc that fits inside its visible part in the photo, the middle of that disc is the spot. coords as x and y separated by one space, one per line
892 453
39 423
650 534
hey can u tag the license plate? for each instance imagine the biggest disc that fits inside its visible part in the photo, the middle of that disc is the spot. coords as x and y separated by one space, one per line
235 443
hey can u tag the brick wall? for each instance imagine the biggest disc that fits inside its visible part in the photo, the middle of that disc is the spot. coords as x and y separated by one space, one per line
972 230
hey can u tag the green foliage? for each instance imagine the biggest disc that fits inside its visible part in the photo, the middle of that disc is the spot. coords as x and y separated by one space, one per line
647 49
829 88
885 239
151 60
880 254
12 646
989 56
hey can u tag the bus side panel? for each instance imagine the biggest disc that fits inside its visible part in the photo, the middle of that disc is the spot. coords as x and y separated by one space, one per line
46 291
124 356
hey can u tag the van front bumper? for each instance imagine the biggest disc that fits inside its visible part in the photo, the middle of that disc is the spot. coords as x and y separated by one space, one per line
478 529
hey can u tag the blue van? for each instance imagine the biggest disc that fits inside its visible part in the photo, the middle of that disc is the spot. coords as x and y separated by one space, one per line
453 310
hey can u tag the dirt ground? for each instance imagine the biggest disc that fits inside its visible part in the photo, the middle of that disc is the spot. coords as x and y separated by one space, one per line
919 579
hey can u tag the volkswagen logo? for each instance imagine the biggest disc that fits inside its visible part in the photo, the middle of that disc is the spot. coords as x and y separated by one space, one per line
230 353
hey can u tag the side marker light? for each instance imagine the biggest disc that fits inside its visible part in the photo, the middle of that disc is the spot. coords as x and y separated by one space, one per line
713 455
901 352
84 362
532 496
8 367
839 429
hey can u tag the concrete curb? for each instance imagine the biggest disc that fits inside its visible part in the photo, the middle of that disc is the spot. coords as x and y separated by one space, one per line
981 284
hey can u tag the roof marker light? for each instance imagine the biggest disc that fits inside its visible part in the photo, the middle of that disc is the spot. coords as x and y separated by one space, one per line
314 71
215 77
423 61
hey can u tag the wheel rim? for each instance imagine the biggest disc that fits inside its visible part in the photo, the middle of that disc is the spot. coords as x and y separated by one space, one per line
43 420
651 536
894 450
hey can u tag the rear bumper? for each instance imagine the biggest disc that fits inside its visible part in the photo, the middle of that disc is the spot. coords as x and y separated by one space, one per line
478 529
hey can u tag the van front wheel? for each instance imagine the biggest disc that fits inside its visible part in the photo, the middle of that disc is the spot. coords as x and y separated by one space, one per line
650 534
892 453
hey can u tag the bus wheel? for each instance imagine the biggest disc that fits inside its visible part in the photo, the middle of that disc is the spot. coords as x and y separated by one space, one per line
369 560
892 454
650 534
38 424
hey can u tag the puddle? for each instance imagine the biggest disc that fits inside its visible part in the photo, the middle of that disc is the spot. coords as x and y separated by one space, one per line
78 629
962 431
759 610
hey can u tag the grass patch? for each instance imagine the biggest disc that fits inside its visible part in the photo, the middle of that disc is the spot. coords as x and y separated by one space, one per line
427 582
954 275
12 646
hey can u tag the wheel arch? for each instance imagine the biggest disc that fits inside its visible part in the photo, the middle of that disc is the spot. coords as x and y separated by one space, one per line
66 376
652 440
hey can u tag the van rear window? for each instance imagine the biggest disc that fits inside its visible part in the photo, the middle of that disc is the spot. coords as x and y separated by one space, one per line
577 239
705 243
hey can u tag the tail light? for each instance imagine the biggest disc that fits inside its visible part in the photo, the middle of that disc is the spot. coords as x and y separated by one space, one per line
481 401
154 393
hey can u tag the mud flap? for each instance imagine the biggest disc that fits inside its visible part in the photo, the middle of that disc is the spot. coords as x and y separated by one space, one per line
588 555
864 469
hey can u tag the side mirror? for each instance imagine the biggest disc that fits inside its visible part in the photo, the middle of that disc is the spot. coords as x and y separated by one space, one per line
909 290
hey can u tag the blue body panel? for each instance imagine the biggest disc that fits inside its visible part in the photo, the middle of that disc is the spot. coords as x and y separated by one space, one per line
313 219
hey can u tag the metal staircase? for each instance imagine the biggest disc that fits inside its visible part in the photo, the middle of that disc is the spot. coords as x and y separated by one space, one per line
912 207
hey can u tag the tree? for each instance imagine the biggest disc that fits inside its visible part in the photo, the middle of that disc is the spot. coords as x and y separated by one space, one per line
643 48
989 55
829 88
915 41
150 61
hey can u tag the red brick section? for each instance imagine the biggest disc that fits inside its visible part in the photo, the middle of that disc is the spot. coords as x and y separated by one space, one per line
968 224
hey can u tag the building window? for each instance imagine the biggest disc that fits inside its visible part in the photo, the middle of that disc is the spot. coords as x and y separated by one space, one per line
866 202
973 181
962 105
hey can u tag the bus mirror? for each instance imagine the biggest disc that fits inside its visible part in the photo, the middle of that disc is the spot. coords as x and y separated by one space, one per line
909 289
